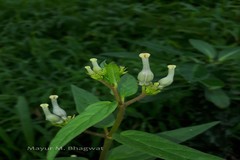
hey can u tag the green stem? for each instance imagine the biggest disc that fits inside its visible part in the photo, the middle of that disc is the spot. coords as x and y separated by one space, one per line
95 133
117 96
114 90
121 110
106 147
108 140
134 99
118 121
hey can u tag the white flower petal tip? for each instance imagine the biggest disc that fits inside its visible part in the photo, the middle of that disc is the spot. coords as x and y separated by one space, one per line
171 66
93 59
53 97
44 105
144 55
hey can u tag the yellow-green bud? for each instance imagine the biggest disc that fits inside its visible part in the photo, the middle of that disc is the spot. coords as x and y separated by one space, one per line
96 67
166 81
56 108
123 70
146 76
89 70
49 116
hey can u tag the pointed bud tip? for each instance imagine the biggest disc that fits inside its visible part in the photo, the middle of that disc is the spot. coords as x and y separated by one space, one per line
44 105
53 96
87 67
171 66
144 55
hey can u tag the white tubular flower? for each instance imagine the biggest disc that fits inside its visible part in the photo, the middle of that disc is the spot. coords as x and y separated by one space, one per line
49 116
166 81
89 70
96 67
56 109
146 75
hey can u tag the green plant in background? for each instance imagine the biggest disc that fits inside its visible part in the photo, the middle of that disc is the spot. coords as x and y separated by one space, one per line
216 72
92 112
43 42
210 68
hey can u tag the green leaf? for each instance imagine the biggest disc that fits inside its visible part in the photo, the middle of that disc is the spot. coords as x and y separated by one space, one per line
82 98
112 73
199 73
212 82
89 117
177 135
6 152
160 147
25 119
193 72
133 112
228 54
7 139
107 122
129 154
182 134
128 85
204 47
218 97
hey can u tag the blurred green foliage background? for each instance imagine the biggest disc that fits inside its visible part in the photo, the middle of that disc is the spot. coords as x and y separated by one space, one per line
45 44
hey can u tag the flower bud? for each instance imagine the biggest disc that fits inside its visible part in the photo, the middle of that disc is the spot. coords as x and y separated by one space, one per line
123 70
56 109
151 89
146 75
166 81
49 116
89 70
96 67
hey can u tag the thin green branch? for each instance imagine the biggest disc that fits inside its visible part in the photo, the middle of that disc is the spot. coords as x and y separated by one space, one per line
106 84
120 115
118 120
121 110
105 130
117 96
108 140
95 134
142 95
114 90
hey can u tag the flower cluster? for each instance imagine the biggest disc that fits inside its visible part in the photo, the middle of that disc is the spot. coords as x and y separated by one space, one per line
110 75
105 72
58 117
96 72
146 76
